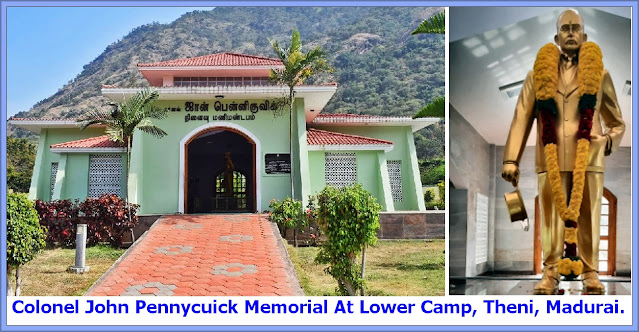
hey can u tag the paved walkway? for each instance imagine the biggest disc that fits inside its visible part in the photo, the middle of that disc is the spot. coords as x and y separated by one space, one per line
228 255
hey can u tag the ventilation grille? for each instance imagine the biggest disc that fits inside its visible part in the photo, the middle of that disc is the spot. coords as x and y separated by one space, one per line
54 174
105 175
341 169
395 176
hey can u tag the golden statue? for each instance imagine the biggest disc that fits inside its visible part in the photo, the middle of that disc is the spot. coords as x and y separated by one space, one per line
578 123
227 183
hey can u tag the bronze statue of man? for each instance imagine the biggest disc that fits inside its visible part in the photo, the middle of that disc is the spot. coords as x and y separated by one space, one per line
578 123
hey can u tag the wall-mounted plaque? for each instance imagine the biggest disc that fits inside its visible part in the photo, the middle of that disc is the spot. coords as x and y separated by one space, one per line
277 163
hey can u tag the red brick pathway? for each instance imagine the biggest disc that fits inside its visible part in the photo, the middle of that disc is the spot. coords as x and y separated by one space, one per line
209 255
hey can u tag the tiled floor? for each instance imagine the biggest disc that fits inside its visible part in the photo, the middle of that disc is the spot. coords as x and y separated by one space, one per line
209 255
525 286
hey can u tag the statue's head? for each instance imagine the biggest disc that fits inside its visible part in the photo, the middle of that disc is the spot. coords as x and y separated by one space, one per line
570 32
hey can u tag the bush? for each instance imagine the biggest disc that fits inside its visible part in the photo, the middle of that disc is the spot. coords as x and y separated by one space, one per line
287 213
441 187
107 219
434 175
350 219
25 236
429 196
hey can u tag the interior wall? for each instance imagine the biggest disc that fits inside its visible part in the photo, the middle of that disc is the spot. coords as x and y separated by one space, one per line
470 157
618 180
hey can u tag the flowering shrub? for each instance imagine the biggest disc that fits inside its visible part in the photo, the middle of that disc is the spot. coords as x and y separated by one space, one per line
107 219
288 214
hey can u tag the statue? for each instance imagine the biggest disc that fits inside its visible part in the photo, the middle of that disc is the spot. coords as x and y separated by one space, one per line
578 122
227 183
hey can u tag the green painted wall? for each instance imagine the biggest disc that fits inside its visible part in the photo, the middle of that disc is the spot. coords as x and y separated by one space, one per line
401 151
158 177
155 165
367 172
316 170
55 136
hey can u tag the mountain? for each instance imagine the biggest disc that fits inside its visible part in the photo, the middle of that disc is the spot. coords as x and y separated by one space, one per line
380 68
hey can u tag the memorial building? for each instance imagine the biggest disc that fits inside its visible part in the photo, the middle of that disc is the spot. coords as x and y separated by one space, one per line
224 122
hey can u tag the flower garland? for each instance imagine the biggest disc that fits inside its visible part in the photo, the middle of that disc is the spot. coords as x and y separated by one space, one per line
589 73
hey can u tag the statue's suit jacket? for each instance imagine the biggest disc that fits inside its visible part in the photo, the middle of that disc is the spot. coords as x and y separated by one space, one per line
607 115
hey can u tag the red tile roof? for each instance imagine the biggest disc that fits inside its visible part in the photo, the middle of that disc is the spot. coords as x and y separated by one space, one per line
218 59
323 137
93 142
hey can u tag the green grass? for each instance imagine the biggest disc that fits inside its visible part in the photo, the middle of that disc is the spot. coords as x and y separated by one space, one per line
47 274
399 268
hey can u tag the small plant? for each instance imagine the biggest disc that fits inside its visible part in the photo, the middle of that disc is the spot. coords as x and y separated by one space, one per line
25 236
311 221
288 214
429 196
441 187
350 219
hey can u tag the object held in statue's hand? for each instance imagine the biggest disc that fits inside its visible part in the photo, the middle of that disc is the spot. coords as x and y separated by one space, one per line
516 208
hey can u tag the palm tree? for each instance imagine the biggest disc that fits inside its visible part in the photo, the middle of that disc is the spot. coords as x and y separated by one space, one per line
298 67
133 113
436 108
434 24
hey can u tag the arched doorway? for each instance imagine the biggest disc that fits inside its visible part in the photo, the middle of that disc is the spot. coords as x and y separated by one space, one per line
220 172
608 235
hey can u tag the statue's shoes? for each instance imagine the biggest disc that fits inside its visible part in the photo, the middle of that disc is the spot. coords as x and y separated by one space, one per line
549 285
591 284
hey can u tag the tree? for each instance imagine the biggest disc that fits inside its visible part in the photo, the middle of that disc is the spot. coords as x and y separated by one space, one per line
298 67
21 155
350 219
434 24
437 108
133 113
25 236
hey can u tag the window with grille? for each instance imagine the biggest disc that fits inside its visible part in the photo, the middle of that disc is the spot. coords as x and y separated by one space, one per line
219 81
395 176
340 169
239 188
54 174
105 175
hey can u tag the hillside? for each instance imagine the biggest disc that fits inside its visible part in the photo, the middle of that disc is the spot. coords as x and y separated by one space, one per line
380 68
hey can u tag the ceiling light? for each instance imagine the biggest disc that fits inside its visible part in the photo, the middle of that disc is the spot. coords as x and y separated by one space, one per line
511 90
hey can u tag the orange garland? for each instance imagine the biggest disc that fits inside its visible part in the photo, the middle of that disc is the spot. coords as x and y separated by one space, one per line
589 74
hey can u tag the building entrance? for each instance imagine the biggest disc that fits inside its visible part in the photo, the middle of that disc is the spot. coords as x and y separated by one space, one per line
220 172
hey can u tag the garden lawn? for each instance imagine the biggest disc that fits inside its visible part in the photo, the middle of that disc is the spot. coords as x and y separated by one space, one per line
47 275
393 267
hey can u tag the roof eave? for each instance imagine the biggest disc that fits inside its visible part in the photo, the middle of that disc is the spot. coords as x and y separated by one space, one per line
415 124
350 147
154 68
88 150
36 125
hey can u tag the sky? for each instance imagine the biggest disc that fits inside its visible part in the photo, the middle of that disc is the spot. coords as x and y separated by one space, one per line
48 46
